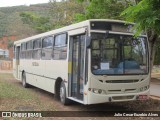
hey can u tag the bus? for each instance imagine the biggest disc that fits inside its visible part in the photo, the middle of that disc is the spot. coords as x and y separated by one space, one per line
90 62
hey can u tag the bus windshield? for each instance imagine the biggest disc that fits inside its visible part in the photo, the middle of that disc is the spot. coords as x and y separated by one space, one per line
118 54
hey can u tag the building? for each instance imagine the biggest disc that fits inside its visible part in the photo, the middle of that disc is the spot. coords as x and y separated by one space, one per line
4 53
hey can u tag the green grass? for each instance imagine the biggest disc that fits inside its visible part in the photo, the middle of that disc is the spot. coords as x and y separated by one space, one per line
10 90
14 97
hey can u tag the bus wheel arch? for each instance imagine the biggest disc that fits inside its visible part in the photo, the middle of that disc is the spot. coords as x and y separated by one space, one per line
64 100
57 87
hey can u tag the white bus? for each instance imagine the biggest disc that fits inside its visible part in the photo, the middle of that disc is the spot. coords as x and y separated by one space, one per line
94 61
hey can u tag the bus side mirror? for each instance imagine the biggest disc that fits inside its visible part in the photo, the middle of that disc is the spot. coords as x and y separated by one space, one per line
88 41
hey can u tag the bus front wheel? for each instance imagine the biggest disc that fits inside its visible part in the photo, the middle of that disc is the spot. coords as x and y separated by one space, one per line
25 85
63 98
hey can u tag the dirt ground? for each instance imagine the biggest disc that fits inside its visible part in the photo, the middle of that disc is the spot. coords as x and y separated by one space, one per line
34 99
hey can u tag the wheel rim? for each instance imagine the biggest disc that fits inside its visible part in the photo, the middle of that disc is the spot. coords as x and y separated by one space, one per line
62 94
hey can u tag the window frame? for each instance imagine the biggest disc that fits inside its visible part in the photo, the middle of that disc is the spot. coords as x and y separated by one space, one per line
66 40
60 46
44 39
23 50
37 48
47 47
29 49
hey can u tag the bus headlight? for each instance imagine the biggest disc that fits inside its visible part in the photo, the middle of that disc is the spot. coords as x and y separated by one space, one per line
98 91
141 89
144 88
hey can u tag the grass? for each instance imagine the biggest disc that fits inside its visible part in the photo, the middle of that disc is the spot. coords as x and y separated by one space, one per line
14 97
10 90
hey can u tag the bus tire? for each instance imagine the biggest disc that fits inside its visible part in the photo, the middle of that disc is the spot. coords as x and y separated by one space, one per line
24 84
64 100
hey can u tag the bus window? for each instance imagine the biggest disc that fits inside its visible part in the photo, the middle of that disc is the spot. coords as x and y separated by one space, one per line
23 50
47 46
60 47
36 49
119 54
29 50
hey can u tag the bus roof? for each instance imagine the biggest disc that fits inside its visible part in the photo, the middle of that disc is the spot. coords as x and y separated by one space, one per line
67 28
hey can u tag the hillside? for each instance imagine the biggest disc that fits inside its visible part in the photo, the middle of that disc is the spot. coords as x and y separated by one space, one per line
23 21
11 23
11 26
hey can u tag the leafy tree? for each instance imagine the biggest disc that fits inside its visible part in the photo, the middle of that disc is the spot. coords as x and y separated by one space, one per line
63 12
146 16
3 25
10 44
39 23
157 56
99 9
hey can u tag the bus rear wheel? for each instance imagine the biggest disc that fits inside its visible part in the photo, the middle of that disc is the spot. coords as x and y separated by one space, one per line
25 85
63 97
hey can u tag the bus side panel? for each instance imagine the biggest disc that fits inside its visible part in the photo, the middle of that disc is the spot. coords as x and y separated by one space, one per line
14 68
26 66
55 69
43 73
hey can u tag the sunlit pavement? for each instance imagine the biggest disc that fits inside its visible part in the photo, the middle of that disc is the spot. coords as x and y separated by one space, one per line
155 90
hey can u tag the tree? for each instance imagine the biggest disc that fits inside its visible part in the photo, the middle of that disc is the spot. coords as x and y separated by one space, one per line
10 44
157 56
99 9
146 16
63 12
41 24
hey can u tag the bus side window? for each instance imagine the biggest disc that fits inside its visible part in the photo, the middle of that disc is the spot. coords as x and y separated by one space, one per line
29 50
60 47
23 51
36 49
47 46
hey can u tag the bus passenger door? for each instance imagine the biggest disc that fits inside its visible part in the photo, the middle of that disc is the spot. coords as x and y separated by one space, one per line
17 62
77 61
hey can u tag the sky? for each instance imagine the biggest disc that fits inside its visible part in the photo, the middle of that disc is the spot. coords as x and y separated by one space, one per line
6 3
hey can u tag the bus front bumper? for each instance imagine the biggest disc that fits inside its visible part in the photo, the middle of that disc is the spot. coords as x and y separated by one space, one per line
103 98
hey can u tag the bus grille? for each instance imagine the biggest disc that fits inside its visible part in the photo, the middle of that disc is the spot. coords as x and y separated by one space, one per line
123 97
119 91
121 81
